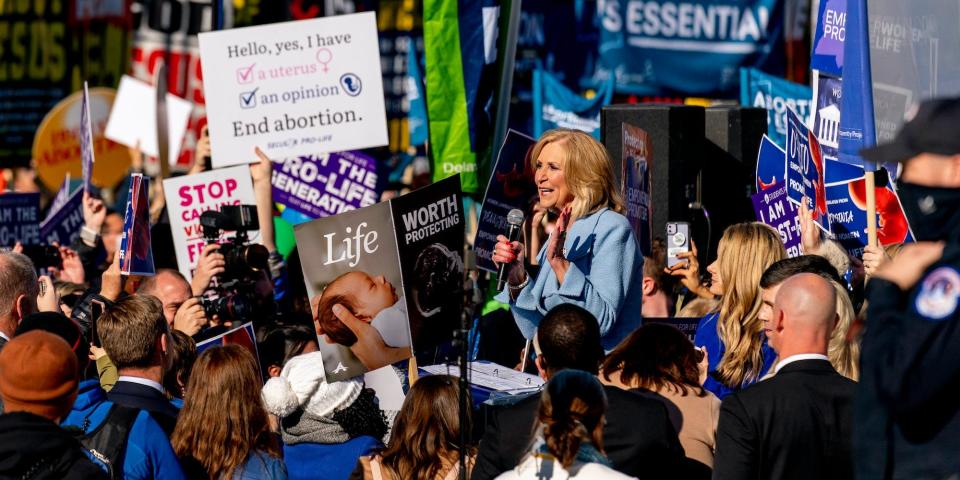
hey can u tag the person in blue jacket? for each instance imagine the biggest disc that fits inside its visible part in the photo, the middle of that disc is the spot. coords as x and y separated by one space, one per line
147 454
736 348
592 258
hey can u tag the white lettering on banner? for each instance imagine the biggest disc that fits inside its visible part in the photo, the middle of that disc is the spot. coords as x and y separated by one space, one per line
780 106
565 119
835 25
799 149
431 218
351 246
687 26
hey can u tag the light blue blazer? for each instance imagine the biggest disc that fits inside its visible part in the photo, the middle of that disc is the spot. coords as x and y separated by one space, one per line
605 277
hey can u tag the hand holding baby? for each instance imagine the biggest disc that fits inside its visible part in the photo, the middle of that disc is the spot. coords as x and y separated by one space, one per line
370 348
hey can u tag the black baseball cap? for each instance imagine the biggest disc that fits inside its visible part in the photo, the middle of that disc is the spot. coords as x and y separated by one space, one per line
932 130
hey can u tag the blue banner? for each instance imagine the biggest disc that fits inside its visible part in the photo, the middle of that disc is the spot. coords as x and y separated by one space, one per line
758 89
136 254
827 55
771 165
660 47
19 219
556 106
857 130
848 215
417 118
806 178
63 223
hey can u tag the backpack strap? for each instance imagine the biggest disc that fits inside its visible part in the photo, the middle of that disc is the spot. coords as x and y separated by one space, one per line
108 442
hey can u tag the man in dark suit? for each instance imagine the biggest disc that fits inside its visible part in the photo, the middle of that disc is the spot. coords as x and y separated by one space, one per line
798 424
134 334
638 437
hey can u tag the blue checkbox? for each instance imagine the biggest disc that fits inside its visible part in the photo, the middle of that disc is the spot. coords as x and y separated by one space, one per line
248 99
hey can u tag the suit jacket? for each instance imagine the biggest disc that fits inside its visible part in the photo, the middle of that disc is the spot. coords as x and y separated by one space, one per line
605 278
134 395
795 425
638 437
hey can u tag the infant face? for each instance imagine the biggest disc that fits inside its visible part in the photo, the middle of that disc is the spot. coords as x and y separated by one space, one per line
369 294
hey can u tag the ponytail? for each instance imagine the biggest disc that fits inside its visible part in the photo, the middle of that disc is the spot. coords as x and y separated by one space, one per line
571 414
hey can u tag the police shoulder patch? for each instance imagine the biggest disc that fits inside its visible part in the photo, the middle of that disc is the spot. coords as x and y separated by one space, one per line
939 294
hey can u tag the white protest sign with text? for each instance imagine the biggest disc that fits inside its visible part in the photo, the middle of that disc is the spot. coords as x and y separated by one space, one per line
191 195
134 117
294 88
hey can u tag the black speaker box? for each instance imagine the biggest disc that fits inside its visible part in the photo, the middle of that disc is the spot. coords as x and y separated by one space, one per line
676 148
733 136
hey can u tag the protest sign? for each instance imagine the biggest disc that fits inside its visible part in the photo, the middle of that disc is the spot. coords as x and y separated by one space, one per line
805 170
828 92
134 118
827 55
772 207
511 186
635 178
136 253
396 265
56 145
86 143
687 325
19 217
655 47
64 220
847 202
771 165
556 106
61 198
309 187
191 195
777 96
244 335
294 88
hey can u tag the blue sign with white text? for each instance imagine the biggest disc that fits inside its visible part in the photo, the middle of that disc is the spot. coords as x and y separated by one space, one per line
758 89
656 47
19 219
556 106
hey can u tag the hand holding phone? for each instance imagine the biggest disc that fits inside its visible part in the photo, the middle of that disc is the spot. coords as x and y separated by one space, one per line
678 241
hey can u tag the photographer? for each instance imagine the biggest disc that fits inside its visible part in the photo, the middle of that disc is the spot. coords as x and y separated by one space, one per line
906 421
241 288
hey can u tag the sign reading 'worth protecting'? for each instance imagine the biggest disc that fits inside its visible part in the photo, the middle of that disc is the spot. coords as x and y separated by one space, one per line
294 88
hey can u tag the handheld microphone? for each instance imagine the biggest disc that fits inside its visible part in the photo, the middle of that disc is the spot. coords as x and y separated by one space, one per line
514 220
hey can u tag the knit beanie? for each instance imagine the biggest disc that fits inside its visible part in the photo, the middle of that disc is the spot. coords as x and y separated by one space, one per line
303 384
61 326
38 374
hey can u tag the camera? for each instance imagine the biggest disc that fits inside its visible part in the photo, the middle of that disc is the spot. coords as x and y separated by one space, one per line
233 294
43 256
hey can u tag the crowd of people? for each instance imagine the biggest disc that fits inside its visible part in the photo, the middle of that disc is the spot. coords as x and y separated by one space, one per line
816 366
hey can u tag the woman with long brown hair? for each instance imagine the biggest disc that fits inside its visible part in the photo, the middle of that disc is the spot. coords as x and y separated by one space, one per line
660 361
568 443
425 440
223 429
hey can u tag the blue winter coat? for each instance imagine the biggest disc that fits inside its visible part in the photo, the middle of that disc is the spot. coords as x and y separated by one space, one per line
326 461
605 277
148 454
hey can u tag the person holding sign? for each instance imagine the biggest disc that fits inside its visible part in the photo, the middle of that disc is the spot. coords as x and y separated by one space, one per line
592 258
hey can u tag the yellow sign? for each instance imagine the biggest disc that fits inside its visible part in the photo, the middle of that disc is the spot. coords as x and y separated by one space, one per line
56 146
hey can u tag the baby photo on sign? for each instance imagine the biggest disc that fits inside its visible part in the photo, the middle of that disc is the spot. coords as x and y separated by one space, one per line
385 279
350 263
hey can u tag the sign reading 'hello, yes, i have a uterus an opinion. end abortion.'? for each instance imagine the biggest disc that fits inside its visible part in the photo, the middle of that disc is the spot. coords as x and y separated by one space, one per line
294 88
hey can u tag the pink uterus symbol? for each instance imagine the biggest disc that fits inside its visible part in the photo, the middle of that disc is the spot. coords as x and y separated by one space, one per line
324 56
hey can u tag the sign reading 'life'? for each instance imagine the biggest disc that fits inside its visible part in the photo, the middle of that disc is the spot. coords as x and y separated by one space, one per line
294 88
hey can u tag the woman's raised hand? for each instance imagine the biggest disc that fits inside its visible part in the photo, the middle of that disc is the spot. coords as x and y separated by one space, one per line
555 255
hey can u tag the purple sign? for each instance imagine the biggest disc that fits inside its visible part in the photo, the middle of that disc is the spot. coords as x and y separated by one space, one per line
773 208
19 216
828 42
312 187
